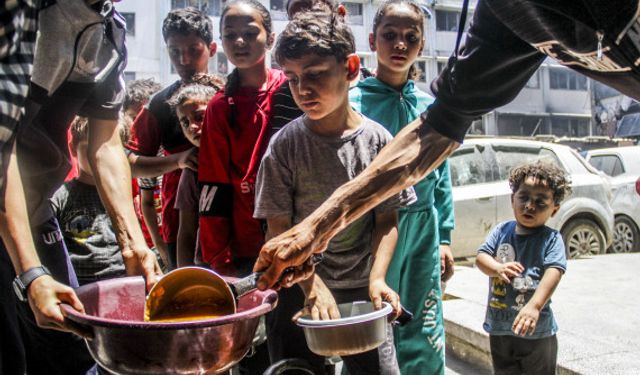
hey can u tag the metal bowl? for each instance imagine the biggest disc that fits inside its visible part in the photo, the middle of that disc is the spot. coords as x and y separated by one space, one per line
121 341
361 328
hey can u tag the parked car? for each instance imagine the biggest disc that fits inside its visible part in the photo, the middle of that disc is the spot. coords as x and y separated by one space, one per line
622 164
482 197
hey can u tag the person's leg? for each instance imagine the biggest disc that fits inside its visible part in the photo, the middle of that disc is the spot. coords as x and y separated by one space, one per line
285 339
503 356
420 343
542 356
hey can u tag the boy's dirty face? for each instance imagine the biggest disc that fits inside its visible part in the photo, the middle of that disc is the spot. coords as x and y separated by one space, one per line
319 84
191 115
398 39
189 54
533 203
244 38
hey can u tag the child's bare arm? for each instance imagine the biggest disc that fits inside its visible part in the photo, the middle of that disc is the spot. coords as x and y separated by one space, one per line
493 268
187 238
528 317
154 166
385 237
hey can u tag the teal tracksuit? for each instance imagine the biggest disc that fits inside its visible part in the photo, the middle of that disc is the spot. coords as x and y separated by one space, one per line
414 271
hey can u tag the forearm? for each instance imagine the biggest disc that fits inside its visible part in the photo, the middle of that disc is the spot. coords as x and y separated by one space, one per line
487 264
412 154
546 287
384 245
187 237
150 216
113 180
153 166
14 223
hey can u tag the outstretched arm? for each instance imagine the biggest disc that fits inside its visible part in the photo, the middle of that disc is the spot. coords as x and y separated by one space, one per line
44 293
113 180
412 154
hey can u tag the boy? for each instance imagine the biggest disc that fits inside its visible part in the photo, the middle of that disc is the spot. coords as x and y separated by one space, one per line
84 222
188 34
525 260
304 163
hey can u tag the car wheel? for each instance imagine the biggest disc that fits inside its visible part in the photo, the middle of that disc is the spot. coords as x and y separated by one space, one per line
583 237
625 236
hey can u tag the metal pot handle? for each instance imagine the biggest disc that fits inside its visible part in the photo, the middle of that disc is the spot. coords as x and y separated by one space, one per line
83 330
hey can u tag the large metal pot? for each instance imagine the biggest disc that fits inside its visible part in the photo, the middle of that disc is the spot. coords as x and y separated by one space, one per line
122 342
361 328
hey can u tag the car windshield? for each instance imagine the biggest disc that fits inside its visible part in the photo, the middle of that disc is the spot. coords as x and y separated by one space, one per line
509 156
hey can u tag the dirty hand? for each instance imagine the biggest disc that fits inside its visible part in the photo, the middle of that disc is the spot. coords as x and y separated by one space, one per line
320 304
526 321
379 291
188 159
291 249
509 270
142 261
45 296
446 262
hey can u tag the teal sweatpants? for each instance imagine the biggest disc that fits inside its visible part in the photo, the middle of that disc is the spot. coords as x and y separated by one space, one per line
414 273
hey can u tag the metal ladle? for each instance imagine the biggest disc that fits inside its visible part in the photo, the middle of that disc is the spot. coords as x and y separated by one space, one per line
195 293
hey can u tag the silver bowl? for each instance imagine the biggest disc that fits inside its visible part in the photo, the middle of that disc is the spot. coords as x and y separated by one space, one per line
361 328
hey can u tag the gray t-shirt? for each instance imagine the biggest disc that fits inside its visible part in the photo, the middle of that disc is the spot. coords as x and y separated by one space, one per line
301 169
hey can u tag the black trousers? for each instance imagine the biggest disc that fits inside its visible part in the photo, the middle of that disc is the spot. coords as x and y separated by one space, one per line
515 355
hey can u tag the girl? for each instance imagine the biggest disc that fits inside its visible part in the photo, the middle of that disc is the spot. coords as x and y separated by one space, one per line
234 137
190 104
392 99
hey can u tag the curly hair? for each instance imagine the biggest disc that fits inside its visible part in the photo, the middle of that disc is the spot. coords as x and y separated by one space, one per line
414 71
139 91
319 5
185 21
546 174
317 33
233 79
202 87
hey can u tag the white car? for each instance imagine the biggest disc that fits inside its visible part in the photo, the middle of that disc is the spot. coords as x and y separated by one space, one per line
622 164
482 197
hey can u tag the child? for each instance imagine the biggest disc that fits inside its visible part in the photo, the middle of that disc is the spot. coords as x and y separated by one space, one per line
84 222
393 100
190 104
234 137
525 260
303 165
188 34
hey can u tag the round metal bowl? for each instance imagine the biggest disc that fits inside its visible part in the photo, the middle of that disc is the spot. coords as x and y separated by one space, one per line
121 341
361 328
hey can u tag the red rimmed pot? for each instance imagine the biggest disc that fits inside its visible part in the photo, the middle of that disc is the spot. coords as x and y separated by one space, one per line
121 341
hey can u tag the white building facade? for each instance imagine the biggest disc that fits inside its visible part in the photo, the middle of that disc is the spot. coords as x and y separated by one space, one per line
555 101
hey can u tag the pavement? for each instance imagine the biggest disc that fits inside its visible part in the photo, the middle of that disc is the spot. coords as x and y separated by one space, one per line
597 307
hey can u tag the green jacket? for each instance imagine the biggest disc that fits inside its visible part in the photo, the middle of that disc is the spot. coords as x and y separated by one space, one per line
394 110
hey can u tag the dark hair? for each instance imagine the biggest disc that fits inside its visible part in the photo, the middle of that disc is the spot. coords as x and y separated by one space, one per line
139 91
186 21
315 33
315 5
545 173
80 131
233 79
202 87
414 71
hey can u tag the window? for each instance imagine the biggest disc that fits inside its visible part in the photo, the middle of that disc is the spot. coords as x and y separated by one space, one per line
509 157
447 20
533 82
129 76
468 167
565 79
211 7
278 10
130 19
354 13
609 164
422 71
570 127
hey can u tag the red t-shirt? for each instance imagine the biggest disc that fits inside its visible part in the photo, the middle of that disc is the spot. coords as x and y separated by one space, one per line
234 137
157 125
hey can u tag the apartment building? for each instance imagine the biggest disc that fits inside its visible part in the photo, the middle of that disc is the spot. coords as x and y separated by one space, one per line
555 101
